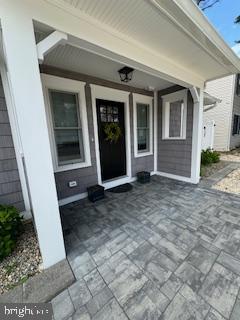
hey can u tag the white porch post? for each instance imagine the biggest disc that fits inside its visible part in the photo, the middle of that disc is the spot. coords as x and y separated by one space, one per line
26 90
197 95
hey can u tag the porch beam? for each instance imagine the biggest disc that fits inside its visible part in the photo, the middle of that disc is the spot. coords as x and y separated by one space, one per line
27 96
49 43
197 95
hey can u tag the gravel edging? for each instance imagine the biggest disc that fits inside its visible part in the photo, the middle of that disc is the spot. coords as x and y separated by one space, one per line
23 262
231 183
211 169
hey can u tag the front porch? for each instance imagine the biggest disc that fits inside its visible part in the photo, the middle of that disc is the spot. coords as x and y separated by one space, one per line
165 250
84 45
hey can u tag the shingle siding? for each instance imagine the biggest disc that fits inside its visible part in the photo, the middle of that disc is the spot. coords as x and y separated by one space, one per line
10 186
174 156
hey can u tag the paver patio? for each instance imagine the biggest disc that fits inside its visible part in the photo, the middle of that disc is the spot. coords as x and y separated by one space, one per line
165 250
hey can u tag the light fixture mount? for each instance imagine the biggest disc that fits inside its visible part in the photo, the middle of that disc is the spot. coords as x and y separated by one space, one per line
126 74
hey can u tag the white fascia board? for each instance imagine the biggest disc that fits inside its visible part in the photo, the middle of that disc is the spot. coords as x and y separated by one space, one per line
49 43
198 18
60 16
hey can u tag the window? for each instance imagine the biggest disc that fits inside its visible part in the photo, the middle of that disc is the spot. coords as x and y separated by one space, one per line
67 127
174 115
236 124
67 121
238 84
142 125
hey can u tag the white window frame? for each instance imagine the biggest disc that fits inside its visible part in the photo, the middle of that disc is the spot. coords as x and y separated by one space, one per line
50 82
166 100
142 99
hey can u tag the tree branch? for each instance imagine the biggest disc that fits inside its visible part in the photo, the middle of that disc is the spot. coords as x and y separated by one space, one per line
210 5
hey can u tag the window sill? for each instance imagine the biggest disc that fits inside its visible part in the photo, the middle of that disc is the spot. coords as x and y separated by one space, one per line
175 138
73 166
144 154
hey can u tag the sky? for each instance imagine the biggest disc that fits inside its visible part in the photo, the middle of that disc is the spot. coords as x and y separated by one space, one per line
222 16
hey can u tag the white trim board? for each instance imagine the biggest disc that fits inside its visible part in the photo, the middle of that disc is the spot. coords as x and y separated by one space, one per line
72 86
76 197
105 93
174 176
139 98
84 195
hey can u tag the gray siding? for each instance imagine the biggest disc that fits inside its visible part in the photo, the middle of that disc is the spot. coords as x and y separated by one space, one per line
235 139
10 186
174 156
88 176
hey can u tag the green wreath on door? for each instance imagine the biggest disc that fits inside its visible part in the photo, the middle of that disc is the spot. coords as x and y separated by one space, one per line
113 132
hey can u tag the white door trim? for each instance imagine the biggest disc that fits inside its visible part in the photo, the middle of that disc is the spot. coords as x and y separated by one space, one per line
99 92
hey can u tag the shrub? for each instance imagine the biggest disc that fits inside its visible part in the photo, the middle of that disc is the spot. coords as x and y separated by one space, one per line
215 157
10 227
208 156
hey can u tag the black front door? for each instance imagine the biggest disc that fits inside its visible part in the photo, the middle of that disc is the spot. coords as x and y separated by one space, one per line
111 135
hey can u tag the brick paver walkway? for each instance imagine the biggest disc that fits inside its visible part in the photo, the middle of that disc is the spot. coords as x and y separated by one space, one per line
166 250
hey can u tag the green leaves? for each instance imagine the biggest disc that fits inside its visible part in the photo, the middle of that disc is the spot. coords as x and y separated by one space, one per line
10 228
209 156
237 20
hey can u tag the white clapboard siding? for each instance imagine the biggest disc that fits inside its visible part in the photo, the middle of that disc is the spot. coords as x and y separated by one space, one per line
222 114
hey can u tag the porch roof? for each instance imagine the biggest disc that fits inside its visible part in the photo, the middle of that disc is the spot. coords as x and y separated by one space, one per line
169 39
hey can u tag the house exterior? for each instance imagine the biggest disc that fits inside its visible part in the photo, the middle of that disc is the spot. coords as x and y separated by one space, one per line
68 122
226 115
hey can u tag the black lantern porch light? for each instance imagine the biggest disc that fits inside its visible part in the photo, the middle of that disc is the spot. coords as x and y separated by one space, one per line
126 74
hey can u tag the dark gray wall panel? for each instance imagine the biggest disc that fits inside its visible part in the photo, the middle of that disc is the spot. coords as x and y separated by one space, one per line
10 186
174 156
88 176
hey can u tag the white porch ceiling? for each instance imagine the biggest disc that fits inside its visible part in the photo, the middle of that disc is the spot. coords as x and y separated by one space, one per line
142 21
78 60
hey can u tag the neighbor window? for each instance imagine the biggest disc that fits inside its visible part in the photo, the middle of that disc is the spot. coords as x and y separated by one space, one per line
236 124
174 111
67 122
67 127
142 125
238 84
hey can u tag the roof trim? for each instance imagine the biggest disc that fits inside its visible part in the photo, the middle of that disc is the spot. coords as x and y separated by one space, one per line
187 15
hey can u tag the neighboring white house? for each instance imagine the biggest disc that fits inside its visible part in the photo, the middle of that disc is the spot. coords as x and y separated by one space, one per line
60 92
226 114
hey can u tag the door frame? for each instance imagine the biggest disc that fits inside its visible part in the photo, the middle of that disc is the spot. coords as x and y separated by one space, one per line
105 93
